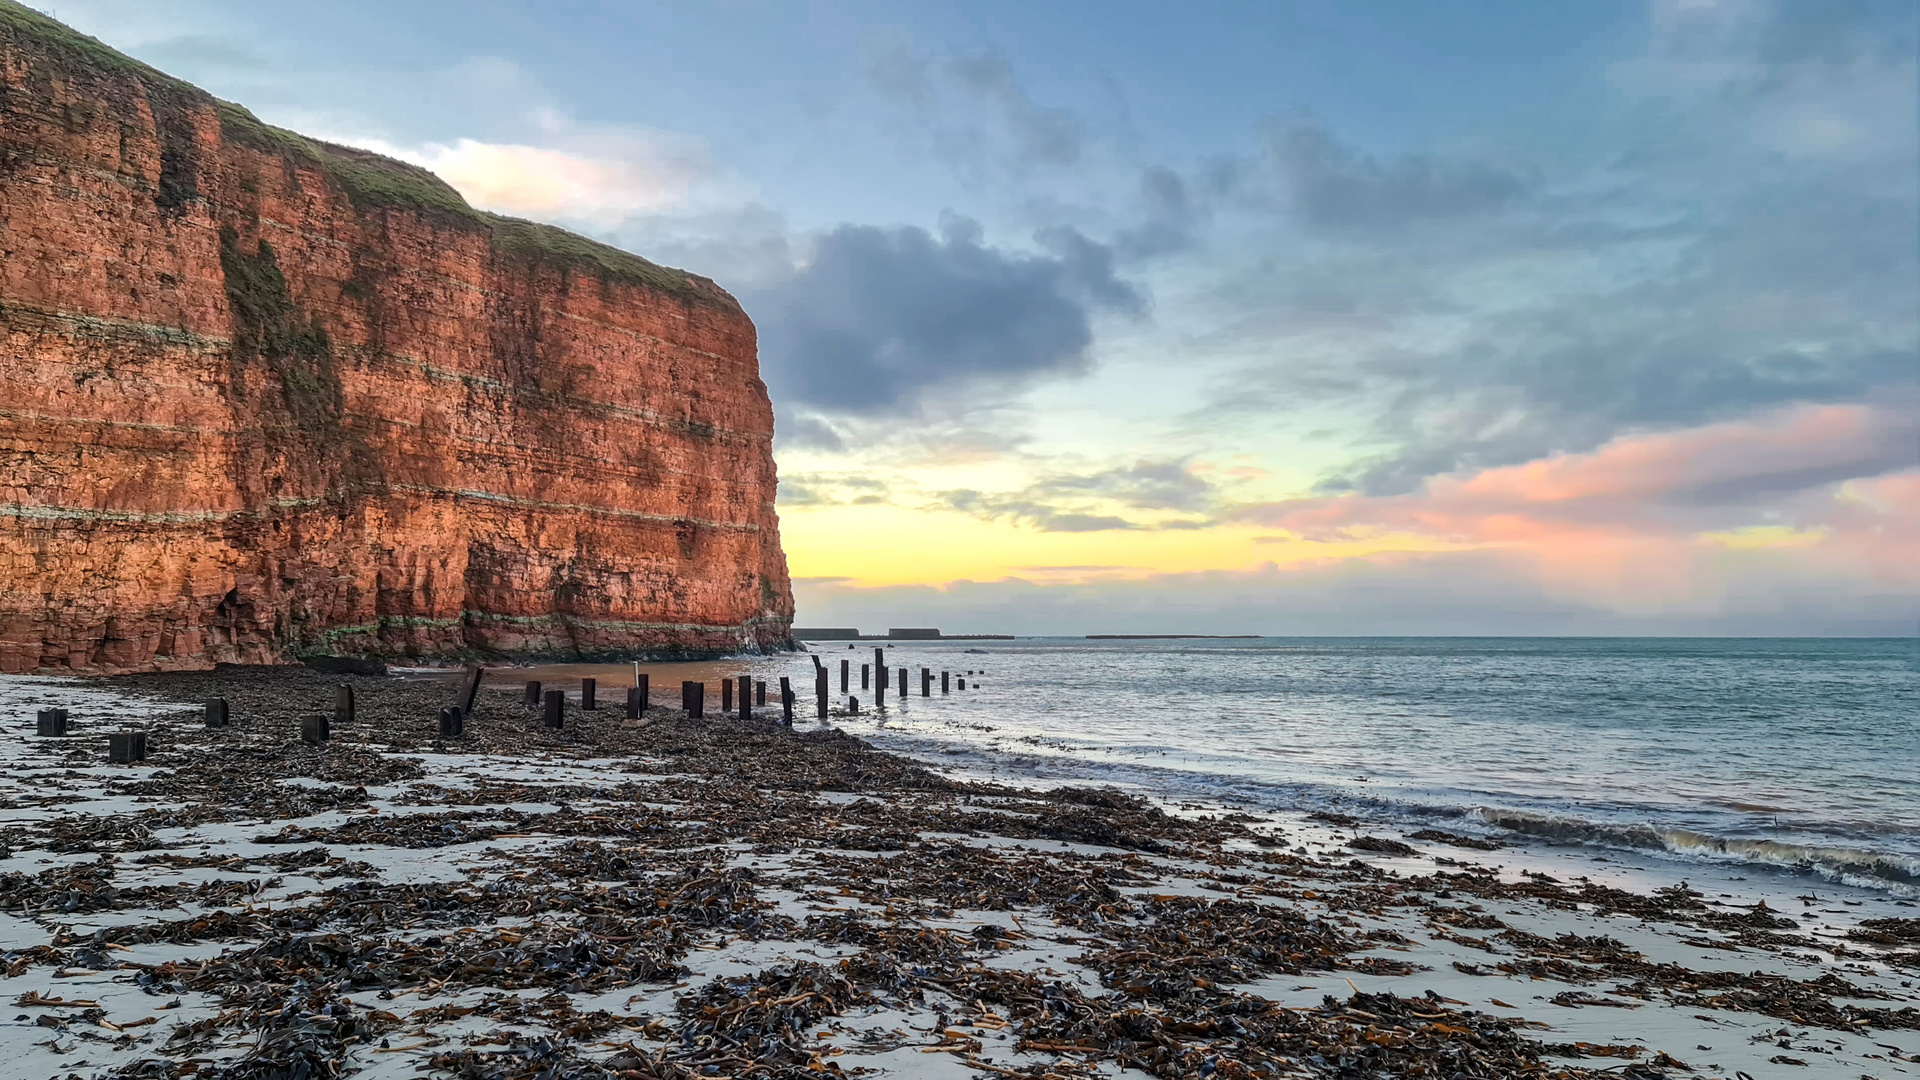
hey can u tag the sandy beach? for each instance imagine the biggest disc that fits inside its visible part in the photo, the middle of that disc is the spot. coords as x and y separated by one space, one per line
672 898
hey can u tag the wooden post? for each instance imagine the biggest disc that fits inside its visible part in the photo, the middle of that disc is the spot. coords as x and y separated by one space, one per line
51 723
470 694
963 684
726 696
879 684
314 729
880 663
343 704
760 692
217 714
853 706
452 722
926 682
786 701
533 692
866 676
556 709
640 684
586 695
945 680
903 686
746 705
126 747
846 667
820 692
694 699
634 710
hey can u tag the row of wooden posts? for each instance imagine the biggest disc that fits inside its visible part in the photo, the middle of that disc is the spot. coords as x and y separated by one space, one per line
126 747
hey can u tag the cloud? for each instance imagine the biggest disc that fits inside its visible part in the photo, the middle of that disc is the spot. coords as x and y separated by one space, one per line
879 321
1078 502
1642 514
1459 592
602 176
1144 485
1334 187
971 110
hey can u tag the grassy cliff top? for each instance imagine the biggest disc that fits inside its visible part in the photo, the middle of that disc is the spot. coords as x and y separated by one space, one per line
371 181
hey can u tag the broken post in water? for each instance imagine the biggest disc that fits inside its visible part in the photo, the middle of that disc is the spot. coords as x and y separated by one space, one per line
846 672
853 706
217 712
746 705
903 686
926 682
866 676
556 710
820 692
786 701
51 723
945 679
586 695
343 704
963 684
533 691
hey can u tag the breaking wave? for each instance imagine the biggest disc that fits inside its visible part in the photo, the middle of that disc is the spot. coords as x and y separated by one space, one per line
1852 866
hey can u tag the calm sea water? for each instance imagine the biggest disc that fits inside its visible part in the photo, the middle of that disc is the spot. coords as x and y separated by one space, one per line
1800 753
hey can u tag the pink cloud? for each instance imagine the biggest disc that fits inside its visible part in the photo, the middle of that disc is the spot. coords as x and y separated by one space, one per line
1650 516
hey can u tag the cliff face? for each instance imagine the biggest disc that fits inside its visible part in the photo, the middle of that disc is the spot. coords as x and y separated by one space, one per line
262 397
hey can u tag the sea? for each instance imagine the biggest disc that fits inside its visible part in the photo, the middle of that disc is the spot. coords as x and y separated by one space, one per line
1801 756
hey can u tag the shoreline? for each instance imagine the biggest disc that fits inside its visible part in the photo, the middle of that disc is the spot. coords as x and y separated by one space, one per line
721 894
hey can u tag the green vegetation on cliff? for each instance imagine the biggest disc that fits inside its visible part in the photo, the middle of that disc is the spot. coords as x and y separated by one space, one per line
372 182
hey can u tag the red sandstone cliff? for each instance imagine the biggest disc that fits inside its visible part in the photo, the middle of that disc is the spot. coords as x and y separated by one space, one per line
262 397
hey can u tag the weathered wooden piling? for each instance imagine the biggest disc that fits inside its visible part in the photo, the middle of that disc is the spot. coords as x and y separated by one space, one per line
642 684
693 698
945 680
587 701
343 704
963 684
903 686
760 692
217 713
726 696
470 690
879 664
556 709
746 703
126 747
786 701
315 728
846 673
926 682
636 702
866 676
51 723
853 706
533 692
453 722
820 692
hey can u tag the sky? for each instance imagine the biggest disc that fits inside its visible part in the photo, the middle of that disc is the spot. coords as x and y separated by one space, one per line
1384 318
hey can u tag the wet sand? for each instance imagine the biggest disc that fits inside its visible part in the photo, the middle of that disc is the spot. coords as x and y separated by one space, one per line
727 898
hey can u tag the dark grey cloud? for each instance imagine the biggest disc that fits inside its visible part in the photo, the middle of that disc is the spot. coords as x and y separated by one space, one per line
879 318
1170 220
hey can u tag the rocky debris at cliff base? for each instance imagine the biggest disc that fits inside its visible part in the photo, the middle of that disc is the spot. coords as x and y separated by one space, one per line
725 898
